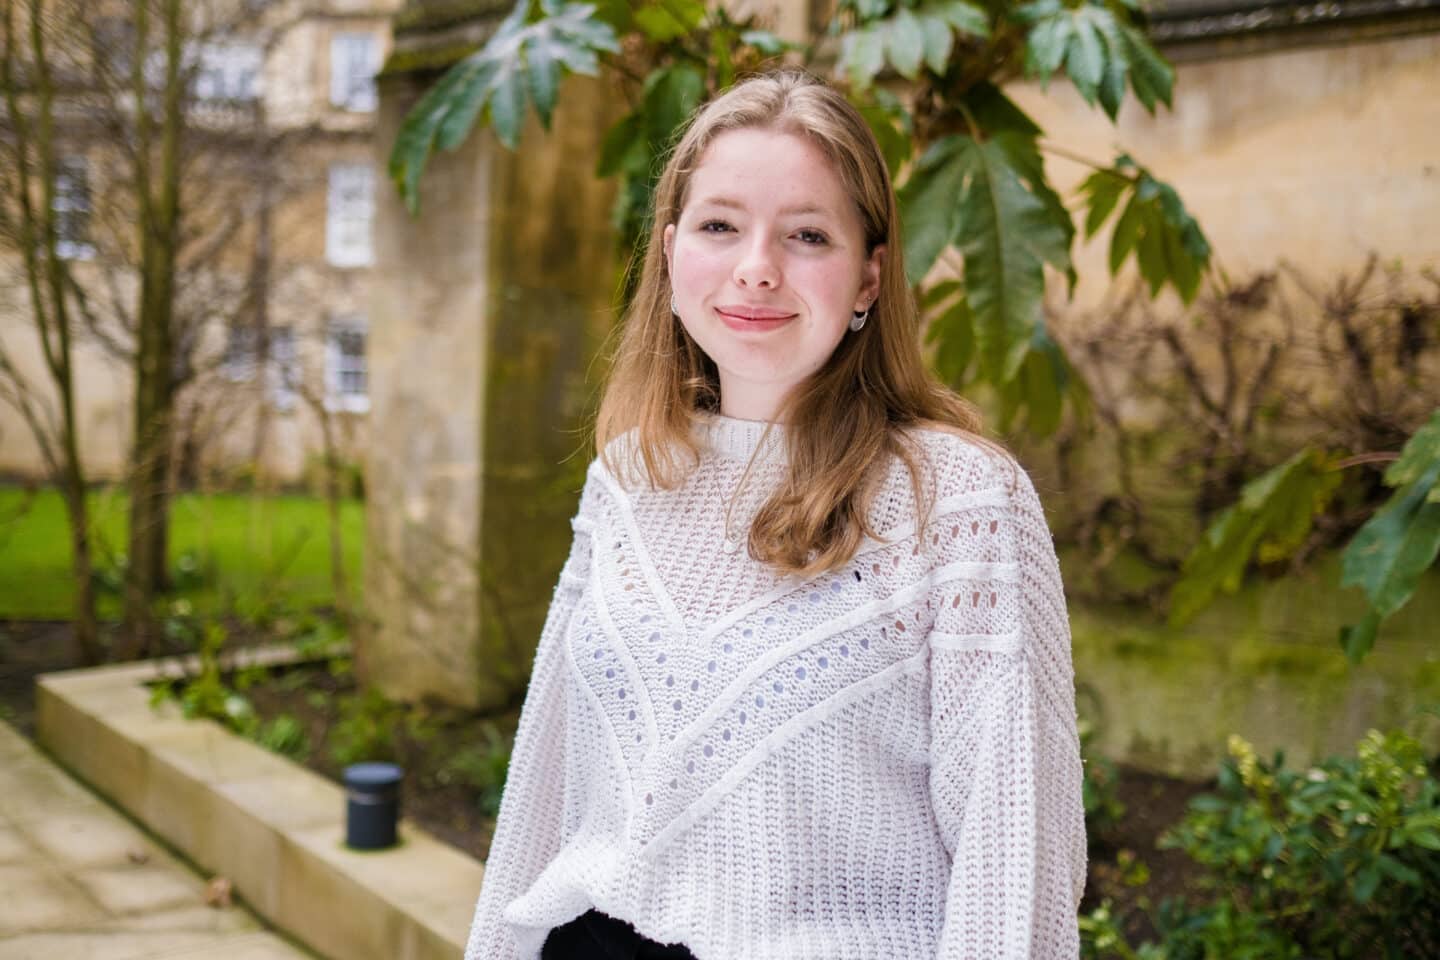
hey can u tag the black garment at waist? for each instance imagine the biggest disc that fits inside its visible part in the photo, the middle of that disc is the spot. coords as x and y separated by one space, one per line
598 936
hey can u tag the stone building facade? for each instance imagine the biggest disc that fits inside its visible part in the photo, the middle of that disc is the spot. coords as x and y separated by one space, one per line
286 105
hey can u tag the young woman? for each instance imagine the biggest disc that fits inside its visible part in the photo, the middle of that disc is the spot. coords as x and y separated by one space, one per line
805 687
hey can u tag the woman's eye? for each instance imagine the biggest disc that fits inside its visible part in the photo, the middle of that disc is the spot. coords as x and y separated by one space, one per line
811 237
714 226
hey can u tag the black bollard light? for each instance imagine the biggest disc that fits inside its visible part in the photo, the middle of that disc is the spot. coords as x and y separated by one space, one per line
372 807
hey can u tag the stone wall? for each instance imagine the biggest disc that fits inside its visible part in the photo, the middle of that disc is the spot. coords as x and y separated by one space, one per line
1265 664
488 309
1318 154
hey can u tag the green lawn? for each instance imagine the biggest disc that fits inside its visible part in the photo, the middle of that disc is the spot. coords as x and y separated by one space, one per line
244 551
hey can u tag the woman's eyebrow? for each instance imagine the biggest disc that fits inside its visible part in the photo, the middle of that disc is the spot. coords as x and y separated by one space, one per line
803 210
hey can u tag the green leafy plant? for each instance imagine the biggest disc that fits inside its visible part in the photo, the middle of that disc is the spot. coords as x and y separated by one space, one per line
315 636
1341 859
1386 558
1102 937
1100 787
1272 519
1168 244
483 768
368 729
284 735
109 573
189 572
524 60
207 695
907 37
1400 542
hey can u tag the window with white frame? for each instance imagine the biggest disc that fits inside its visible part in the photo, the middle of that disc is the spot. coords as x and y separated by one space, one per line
354 61
228 71
349 208
71 208
347 385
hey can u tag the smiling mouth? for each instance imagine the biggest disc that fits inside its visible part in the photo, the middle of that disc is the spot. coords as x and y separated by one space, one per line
743 319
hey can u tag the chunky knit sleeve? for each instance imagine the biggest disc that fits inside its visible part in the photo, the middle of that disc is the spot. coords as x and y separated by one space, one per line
528 830
1005 775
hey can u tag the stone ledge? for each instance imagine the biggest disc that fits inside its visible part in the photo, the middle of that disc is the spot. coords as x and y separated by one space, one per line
275 829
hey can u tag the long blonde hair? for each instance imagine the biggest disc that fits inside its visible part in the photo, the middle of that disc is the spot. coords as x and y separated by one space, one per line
847 420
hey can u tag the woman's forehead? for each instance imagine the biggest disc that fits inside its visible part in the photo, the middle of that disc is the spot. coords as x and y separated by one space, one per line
750 167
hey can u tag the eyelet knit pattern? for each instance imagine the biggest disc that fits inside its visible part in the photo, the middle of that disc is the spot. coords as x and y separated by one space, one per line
881 762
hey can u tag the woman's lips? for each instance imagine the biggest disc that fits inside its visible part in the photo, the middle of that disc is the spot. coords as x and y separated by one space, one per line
743 319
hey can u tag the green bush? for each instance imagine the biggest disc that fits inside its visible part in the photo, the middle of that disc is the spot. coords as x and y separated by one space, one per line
367 729
206 695
285 736
1103 808
1339 860
1342 859
482 767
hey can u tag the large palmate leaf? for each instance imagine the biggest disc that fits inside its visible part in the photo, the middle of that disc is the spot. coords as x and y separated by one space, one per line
950 327
1168 244
1099 50
990 201
523 60
1390 554
1272 519
908 38
1038 388
930 203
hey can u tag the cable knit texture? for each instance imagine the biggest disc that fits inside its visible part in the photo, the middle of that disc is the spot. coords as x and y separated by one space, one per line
881 762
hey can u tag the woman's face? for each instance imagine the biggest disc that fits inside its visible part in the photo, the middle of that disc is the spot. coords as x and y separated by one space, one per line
768 263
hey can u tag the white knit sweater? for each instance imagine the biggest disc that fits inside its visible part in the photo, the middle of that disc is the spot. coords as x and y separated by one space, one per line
878 763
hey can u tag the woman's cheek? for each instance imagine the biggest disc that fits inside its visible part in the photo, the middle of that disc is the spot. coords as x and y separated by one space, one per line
699 268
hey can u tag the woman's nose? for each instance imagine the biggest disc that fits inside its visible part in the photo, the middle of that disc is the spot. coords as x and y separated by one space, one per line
758 267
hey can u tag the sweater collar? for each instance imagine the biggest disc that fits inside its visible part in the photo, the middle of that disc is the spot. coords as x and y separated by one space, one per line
733 439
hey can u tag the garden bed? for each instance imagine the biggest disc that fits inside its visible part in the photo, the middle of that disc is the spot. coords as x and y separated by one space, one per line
454 760
455 766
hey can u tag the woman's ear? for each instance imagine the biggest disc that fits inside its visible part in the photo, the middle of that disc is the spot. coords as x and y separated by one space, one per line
668 244
870 277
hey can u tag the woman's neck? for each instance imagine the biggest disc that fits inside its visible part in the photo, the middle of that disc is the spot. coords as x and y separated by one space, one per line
750 401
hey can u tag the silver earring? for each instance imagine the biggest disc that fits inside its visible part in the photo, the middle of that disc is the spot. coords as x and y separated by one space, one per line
858 321
674 308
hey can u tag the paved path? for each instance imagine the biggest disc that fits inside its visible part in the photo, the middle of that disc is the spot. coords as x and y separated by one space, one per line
78 881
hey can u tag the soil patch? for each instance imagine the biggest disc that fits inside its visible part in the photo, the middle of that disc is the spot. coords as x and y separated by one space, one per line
1127 866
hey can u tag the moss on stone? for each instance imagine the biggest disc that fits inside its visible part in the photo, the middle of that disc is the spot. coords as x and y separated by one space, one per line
1264 663
425 59
439 14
